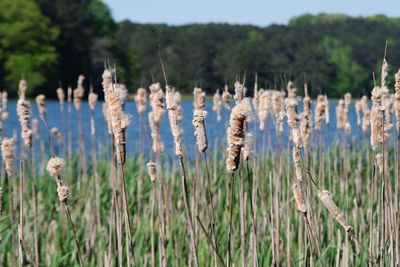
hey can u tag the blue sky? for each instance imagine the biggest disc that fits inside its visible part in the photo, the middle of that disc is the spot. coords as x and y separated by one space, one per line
257 12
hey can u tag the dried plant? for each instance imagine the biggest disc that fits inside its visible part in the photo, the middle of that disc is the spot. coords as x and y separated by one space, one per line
226 98
40 102
141 100
217 104
7 151
306 120
24 114
172 107
236 133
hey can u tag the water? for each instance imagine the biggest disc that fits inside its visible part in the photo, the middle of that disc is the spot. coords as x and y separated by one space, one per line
215 130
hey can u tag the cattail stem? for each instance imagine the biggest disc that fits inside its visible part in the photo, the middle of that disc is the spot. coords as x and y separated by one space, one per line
188 211
65 204
229 248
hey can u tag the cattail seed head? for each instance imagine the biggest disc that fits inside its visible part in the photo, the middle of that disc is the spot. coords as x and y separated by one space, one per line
60 95
321 111
199 98
40 102
92 99
199 129
326 198
246 149
226 98
172 107
236 133
240 92
7 151
298 197
151 168
24 114
57 135
217 104
141 100
55 166
63 192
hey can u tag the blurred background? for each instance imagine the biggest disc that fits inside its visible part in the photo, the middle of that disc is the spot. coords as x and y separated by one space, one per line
333 45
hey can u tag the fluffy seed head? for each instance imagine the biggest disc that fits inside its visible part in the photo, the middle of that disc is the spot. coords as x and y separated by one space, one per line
92 99
298 197
217 104
24 114
60 95
199 129
55 166
326 198
141 100
151 168
40 102
7 151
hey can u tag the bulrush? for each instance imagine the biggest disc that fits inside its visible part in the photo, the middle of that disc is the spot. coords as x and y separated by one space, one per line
306 120
22 87
326 198
340 120
217 104
199 129
246 149
278 108
24 114
56 134
78 92
157 99
321 111
61 96
397 100
226 98
35 127
236 133
141 101
293 122
40 102
291 90
176 131
151 169
380 116
199 98
358 109
7 151
92 99
240 92
347 102
366 114
263 107
4 101
298 197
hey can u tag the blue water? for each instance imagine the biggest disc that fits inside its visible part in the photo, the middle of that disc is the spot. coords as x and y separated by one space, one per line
215 131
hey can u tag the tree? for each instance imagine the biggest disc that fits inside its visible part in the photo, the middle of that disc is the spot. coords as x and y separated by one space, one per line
26 44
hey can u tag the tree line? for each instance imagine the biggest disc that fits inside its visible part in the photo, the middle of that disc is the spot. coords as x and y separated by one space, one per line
51 42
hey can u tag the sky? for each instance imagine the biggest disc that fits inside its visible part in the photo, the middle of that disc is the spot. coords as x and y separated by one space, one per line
256 12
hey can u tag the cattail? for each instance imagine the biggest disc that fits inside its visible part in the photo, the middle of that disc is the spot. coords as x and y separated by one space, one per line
358 109
55 167
397 100
321 110
199 98
291 90
40 102
240 92
236 133
56 134
69 92
226 98
78 92
306 120
278 108
24 114
340 120
179 110
217 103
141 101
92 99
326 198
199 129
246 149
172 107
157 99
151 169
366 114
347 102
4 101
61 96
380 116
298 197
255 94
7 151
327 109
22 87
263 107
293 122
